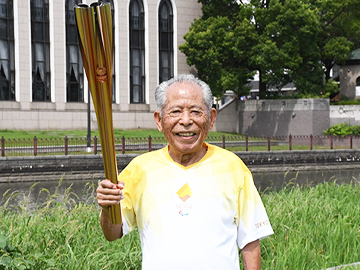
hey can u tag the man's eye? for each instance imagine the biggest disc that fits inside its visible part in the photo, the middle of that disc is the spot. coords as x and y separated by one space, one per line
176 112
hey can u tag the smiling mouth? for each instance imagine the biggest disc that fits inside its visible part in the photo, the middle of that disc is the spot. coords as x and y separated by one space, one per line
186 134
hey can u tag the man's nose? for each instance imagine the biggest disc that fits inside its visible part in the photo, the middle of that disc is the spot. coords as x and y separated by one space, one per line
186 119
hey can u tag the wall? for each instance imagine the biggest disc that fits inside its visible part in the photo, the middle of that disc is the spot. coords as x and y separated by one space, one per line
226 118
275 117
349 114
348 75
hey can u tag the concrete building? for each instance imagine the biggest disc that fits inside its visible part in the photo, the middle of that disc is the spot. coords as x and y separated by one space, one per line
42 82
349 76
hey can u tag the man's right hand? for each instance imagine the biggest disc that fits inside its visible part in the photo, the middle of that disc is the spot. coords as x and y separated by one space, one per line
109 193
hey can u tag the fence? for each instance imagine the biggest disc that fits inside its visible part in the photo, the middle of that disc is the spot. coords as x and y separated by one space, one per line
76 146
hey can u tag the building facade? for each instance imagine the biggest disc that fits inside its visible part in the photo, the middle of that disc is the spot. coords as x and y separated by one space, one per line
42 80
349 76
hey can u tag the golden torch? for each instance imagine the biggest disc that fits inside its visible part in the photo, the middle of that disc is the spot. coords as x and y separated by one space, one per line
94 25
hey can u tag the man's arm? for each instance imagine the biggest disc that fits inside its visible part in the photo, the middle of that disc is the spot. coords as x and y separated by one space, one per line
251 256
109 194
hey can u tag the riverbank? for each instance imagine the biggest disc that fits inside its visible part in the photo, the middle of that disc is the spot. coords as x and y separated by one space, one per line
90 167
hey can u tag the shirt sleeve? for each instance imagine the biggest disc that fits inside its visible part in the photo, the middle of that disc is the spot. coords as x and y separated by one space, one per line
127 207
254 223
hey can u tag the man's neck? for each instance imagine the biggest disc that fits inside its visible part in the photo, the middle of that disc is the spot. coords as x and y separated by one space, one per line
188 159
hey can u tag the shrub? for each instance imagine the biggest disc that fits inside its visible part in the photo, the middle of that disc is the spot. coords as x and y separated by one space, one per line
343 129
356 130
339 130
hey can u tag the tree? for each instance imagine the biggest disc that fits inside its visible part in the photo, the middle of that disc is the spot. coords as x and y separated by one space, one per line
340 30
287 44
285 41
214 45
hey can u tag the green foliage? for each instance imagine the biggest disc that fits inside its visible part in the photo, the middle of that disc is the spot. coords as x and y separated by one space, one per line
218 56
213 8
61 234
356 130
10 254
306 94
315 228
331 87
344 98
294 55
339 31
343 129
346 101
285 41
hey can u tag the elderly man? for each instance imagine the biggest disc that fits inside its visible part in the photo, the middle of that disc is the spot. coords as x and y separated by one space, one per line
194 203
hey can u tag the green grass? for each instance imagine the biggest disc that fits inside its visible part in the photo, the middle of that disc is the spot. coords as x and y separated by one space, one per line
75 136
61 234
315 228
8 134
15 134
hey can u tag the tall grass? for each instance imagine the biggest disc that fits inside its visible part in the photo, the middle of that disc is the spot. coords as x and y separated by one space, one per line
61 233
315 228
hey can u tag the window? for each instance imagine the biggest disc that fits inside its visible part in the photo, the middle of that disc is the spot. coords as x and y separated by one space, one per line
40 47
166 44
358 81
113 30
357 88
7 58
137 52
74 65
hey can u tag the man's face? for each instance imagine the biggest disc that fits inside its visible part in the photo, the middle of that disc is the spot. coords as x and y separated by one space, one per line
185 120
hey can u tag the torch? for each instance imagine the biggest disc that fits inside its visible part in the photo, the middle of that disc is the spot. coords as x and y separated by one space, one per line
94 25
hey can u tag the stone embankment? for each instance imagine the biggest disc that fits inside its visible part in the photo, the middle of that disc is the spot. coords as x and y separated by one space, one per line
90 167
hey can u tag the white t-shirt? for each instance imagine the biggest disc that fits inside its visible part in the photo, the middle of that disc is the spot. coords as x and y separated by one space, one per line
193 217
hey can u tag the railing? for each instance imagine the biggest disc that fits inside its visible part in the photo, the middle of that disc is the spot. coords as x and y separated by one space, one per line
78 146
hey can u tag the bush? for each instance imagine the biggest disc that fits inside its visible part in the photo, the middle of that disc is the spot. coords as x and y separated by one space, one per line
356 130
343 129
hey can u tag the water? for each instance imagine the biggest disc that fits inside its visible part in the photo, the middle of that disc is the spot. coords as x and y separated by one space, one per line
35 193
278 180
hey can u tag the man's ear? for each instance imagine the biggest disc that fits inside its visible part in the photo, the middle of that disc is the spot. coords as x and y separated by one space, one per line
157 118
213 114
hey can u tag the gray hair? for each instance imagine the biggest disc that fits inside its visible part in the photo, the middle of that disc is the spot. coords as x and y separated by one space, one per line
160 92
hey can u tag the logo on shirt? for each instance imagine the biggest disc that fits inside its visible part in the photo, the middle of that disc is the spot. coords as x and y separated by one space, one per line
184 192
183 213
184 208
